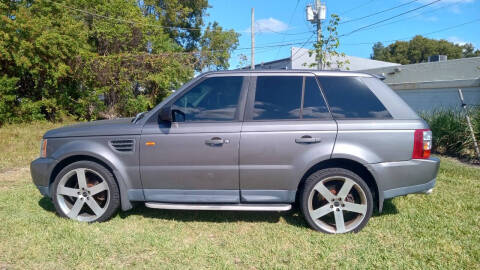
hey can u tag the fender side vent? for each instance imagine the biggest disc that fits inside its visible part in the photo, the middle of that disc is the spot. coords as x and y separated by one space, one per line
123 145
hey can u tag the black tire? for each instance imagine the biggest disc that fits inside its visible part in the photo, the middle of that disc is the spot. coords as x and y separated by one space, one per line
113 190
332 173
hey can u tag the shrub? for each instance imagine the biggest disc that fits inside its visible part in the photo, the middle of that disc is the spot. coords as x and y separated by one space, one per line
451 135
7 98
14 109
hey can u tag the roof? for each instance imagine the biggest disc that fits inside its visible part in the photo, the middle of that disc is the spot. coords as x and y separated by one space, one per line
302 58
451 70
283 63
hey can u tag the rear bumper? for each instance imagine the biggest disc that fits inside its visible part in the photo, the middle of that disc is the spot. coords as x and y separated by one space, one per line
421 188
41 170
405 177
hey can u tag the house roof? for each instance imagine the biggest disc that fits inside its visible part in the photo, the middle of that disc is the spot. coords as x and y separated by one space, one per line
450 70
301 58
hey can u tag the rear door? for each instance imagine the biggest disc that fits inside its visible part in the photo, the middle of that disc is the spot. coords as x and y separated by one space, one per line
367 132
287 129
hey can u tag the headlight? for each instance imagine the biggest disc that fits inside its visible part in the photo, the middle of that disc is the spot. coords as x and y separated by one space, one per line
43 148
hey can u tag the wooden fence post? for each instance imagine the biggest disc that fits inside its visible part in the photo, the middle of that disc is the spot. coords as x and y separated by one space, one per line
464 106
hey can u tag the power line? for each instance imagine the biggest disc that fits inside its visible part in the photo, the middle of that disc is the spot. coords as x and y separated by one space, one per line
422 34
416 15
280 43
378 12
155 25
293 13
287 34
124 20
161 54
356 7
260 47
387 19
289 22
308 40
266 45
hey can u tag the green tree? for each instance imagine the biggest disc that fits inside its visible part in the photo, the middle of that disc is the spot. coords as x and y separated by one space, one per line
468 50
38 42
186 14
418 50
326 49
216 47
378 51
102 58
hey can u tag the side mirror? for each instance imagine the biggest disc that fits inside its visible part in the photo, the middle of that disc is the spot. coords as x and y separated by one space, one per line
165 114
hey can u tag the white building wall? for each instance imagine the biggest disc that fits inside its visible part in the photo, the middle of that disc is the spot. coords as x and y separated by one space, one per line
431 99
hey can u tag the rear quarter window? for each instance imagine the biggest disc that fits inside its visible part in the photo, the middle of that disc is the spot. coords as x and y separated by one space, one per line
350 98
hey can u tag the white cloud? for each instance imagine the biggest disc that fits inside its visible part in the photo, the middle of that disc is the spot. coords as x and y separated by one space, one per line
268 26
455 9
457 40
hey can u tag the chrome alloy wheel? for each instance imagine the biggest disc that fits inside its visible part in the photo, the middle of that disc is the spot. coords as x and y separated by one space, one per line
337 204
83 194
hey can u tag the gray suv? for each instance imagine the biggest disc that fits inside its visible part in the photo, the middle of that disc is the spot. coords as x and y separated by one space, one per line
335 143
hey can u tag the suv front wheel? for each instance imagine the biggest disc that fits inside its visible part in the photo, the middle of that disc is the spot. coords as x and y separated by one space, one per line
336 200
85 191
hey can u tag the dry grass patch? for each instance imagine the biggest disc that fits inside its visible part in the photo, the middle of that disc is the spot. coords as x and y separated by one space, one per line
20 143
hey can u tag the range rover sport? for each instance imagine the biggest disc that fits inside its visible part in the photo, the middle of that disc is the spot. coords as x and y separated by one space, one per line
335 143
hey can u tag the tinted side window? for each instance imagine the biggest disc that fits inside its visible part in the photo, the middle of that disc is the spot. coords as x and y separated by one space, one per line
349 97
313 103
277 97
214 99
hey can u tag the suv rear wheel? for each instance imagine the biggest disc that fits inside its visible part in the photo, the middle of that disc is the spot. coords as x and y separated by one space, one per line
85 191
336 200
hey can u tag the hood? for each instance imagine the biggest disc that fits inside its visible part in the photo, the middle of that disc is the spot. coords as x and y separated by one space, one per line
115 127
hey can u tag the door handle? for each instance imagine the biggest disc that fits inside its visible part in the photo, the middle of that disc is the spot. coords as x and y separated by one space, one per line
216 141
307 139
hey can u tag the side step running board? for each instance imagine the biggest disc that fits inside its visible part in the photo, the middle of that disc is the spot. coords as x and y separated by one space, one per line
220 207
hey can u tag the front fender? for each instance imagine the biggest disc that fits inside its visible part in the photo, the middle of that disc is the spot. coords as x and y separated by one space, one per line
124 166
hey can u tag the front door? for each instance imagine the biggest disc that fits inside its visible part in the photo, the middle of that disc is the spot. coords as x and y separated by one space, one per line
194 159
288 128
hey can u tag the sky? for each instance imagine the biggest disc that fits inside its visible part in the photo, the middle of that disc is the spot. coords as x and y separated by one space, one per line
283 22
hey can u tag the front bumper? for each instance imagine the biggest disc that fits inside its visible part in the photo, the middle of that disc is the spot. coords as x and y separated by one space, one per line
405 177
41 170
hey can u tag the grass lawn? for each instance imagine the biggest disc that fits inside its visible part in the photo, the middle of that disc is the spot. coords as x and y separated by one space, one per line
414 232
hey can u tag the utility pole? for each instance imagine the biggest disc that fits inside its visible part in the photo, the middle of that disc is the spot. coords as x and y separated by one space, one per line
253 39
319 30
315 16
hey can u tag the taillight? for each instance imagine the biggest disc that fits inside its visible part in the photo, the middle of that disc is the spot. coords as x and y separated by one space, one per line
422 144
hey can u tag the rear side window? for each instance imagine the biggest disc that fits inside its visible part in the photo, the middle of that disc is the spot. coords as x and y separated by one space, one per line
280 98
314 106
349 97
277 97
